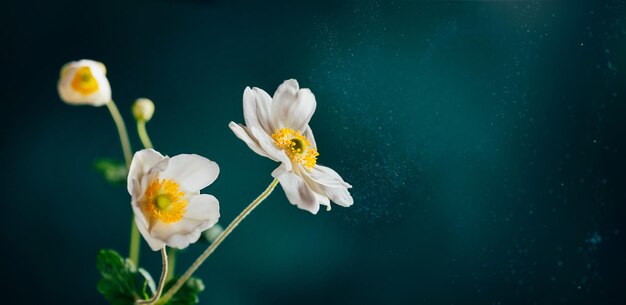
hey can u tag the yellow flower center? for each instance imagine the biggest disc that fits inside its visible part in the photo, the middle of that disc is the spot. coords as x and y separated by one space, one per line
165 201
84 82
297 147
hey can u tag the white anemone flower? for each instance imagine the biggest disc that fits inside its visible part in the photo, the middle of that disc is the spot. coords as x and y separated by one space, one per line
166 200
278 128
84 82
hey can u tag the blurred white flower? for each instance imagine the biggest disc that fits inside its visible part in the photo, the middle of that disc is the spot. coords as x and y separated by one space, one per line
278 128
143 109
84 82
166 200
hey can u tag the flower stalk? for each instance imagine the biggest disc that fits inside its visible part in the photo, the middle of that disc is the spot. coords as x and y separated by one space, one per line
121 130
181 281
143 134
171 261
164 271
135 244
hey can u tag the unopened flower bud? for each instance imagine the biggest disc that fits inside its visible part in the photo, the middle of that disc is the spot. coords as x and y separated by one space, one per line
212 233
143 109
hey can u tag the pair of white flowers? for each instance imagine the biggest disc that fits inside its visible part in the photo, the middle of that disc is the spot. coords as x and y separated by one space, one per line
166 200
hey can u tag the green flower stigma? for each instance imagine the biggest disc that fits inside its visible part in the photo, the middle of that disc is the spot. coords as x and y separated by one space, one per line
163 202
297 145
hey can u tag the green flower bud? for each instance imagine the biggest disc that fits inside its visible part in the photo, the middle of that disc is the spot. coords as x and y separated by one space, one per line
213 232
143 109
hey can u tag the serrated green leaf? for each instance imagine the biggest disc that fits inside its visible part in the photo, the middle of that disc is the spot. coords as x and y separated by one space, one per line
188 294
113 171
121 283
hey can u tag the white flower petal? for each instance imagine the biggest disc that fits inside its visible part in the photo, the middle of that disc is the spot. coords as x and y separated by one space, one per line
142 182
281 169
142 162
202 213
192 172
256 104
267 143
140 217
154 243
203 207
308 133
297 191
330 184
327 176
292 107
178 234
289 85
322 200
242 133
339 195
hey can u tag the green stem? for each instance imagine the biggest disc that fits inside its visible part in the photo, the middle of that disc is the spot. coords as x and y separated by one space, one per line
171 260
135 242
181 281
121 130
164 271
143 134
123 134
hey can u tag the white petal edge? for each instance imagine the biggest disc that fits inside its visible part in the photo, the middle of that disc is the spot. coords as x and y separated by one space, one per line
267 143
323 200
326 181
142 162
192 172
203 207
297 191
202 213
256 104
242 133
154 243
292 107
290 84
327 176
308 133
339 195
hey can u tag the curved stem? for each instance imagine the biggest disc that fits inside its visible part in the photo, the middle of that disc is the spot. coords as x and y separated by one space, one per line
181 281
143 134
121 130
157 294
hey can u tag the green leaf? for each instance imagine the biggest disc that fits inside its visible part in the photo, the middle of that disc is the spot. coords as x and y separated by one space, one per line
188 294
121 283
113 171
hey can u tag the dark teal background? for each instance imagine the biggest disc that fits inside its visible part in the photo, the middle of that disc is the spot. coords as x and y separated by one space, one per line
484 140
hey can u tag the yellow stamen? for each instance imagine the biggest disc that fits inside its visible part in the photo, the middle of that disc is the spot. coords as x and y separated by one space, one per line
165 201
84 82
297 146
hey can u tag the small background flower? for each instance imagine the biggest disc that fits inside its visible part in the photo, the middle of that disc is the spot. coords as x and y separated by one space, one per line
84 82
